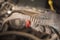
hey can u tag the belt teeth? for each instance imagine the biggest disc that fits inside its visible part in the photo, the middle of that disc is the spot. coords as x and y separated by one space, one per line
36 21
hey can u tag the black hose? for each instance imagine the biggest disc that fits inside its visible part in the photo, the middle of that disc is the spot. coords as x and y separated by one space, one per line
20 34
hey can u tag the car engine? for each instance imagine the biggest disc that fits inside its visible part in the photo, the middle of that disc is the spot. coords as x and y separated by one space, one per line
24 22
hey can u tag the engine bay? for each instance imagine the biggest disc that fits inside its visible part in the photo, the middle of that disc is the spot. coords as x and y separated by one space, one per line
24 22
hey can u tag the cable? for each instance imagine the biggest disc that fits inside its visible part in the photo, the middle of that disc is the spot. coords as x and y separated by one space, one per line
20 34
